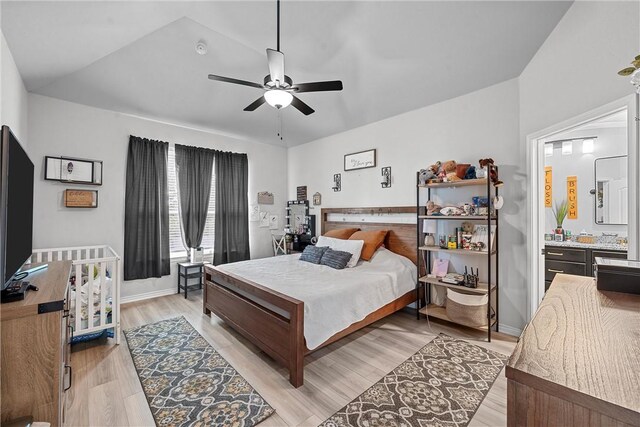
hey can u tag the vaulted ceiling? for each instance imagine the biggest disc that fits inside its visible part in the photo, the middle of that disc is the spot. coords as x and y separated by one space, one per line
139 57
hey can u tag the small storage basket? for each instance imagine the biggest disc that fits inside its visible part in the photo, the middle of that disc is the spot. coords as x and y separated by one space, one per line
467 309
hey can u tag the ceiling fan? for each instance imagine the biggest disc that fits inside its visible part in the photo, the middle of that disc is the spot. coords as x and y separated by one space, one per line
279 88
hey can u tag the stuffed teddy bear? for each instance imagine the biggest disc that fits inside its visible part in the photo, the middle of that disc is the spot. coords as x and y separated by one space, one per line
493 171
429 173
449 168
432 208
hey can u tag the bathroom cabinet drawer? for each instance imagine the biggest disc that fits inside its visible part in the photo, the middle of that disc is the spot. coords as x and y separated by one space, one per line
564 254
551 268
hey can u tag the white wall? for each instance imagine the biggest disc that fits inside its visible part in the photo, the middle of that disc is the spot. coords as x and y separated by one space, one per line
62 128
575 70
610 142
13 95
477 125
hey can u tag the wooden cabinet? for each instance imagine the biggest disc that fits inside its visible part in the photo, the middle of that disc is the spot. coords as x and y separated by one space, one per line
576 261
577 362
35 349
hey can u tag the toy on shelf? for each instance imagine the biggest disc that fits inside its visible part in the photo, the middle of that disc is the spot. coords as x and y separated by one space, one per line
493 171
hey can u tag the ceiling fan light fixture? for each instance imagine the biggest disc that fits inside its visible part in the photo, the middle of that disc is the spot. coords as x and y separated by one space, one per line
278 98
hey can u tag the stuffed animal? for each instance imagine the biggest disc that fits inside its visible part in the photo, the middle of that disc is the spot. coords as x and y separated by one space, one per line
449 168
461 169
471 173
432 208
493 171
429 173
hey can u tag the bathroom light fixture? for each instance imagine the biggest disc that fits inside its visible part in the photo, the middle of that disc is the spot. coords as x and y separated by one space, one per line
548 149
567 148
278 98
587 146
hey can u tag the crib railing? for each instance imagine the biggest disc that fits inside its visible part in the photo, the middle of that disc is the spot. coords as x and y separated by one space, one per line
93 259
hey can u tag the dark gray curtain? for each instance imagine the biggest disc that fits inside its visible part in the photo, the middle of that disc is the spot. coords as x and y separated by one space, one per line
193 170
146 210
232 208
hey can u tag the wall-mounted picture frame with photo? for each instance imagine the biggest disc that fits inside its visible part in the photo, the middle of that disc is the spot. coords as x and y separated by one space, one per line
73 170
360 160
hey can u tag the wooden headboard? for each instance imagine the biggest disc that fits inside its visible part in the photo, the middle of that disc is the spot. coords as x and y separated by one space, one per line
402 238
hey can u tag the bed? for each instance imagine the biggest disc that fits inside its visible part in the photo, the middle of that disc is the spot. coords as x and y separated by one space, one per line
290 308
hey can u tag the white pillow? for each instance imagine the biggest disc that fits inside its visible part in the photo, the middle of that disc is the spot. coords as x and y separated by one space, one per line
352 246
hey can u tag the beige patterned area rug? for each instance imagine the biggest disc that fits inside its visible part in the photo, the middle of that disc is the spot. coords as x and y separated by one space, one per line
187 383
442 385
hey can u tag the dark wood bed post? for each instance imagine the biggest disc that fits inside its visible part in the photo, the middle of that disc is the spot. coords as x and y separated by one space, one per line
297 346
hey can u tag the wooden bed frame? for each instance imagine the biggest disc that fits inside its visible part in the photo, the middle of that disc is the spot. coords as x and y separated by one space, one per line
275 322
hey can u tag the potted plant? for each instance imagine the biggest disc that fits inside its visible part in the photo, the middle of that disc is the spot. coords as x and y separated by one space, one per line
560 212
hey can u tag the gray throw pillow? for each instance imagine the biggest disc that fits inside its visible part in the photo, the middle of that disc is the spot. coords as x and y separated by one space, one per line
313 254
335 259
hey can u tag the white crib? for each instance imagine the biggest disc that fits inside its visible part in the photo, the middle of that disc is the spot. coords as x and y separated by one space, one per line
95 298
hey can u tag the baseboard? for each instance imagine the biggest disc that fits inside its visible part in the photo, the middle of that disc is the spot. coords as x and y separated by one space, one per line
147 295
510 330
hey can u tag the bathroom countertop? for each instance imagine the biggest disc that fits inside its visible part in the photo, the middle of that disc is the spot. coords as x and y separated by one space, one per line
603 246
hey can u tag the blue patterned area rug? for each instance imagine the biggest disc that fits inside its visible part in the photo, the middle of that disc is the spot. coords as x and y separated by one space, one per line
442 385
187 383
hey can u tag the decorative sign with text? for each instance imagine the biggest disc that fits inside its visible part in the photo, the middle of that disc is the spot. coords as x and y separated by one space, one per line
548 187
361 160
572 197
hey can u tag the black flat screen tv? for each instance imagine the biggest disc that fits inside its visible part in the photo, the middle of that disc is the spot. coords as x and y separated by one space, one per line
16 206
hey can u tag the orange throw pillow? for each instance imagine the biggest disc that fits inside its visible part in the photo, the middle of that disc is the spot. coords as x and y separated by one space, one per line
372 241
341 233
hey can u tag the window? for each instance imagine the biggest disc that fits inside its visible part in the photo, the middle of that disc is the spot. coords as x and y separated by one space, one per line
176 246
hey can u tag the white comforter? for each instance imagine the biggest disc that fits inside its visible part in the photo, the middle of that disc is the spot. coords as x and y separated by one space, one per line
333 299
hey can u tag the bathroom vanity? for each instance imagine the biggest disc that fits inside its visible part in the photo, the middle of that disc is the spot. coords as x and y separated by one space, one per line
576 258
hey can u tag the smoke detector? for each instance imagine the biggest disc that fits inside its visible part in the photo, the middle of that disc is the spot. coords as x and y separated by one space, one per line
201 47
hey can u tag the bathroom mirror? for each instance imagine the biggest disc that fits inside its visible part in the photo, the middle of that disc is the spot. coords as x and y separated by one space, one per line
611 190
297 216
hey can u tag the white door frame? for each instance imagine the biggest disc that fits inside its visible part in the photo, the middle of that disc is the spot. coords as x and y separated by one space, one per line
535 154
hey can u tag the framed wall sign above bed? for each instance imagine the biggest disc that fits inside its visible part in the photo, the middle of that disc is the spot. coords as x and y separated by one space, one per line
360 160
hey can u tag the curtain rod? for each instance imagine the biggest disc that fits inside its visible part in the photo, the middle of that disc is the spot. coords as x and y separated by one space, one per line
571 139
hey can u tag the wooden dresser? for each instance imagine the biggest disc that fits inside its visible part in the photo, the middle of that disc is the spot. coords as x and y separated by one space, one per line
578 361
35 348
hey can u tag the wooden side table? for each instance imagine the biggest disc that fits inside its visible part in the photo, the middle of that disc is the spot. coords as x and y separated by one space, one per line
189 270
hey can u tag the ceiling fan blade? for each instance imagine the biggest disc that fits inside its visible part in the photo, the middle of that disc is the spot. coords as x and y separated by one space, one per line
255 104
304 108
318 86
276 65
234 81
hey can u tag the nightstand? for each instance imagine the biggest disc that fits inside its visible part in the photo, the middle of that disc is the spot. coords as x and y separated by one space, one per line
189 270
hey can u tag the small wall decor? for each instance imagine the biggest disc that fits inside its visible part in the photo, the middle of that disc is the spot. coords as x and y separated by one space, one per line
273 222
360 160
317 199
70 169
254 213
81 198
386 177
264 219
548 187
265 198
572 197
301 193
337 182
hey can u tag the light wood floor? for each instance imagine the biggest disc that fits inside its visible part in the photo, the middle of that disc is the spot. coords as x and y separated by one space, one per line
106 390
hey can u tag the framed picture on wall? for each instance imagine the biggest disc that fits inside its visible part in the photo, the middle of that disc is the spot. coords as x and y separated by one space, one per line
73 170
360 160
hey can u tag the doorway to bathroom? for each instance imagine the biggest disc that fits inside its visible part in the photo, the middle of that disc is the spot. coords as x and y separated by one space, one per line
583 194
